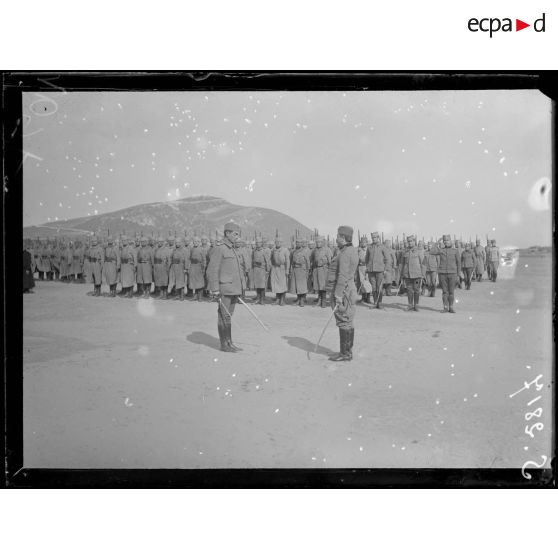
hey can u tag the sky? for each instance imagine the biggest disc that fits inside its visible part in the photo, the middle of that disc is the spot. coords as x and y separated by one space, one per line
464 163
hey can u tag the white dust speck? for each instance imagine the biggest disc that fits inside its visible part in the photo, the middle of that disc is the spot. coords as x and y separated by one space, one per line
528 366
525 448
127 402
410 348
465 399
441 422
437 401
359 416
445 348
475 395
361 448
403 448
517 329
276 410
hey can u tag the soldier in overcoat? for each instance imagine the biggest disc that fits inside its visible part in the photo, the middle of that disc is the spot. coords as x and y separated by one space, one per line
300 268
144 269
280 267
413 272
449 268
261 265
468 264
111 266
320 262
178 269
196 274
128 266
96 262
376 262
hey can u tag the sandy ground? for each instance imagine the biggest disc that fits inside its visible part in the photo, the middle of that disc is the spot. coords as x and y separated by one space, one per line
133 383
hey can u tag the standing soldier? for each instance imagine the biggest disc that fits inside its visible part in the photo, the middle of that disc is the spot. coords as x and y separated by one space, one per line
144 271
37 258
111 266
459 249
390 267
177 271
128 265
487 249
76 269
449 268
196 275
55 260
344 293
226 282
205 246
28 281
321 260
480 254
494 261
468 264
96 261
300 267
261 264
412 270
279 270
86 263
45 261
430 264
66 256
311 248
268 248
376 262
161 269
360 277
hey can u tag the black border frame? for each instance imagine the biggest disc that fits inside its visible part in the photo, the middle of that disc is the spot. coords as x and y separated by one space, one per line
15 83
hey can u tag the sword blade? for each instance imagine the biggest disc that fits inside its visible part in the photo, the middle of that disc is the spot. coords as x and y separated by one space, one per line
253 313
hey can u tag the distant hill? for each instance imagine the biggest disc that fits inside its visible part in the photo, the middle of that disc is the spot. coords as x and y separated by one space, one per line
193 215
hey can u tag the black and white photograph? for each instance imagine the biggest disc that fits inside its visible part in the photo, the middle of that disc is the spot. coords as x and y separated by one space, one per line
248 279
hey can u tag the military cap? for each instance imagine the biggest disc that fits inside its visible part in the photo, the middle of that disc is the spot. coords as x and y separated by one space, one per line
143 239
110 239
170 239
446 237
319 238
196 238
375 234
232 227
345 230
411 237
278 237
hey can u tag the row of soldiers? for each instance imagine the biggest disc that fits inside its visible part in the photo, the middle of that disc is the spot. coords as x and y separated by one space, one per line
179 266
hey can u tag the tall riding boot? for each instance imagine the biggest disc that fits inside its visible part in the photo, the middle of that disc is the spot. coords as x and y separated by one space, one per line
282 299
164 293
351 342
130 292
416 301
181 294
445 302
303 300
234 347
223 338
450 299
277 298
262 298
199 294
147 290
113 290
379 302
323 303
98 290
433 291
388 290
344 342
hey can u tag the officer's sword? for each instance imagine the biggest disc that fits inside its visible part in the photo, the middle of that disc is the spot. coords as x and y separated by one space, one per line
325 327
253 313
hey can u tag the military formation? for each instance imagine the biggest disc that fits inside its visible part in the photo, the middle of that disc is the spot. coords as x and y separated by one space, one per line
223 268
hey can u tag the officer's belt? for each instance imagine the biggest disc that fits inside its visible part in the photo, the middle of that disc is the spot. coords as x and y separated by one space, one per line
143 261
124 260
176 261
298 265
94 260
110 260
256 264
76 257
157 260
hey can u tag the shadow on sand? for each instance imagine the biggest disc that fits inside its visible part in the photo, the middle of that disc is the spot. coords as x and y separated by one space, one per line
202 338
306 345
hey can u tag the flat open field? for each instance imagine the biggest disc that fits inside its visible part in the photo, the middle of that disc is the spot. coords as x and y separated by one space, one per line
112 383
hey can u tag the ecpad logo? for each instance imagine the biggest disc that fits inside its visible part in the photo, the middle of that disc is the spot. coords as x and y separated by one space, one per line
493 25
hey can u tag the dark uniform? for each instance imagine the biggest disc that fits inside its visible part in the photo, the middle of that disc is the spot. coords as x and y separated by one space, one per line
28 281
449 268
196 275
344 294
227 280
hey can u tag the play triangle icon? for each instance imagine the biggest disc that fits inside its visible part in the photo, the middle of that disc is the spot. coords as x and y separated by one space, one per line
519 25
